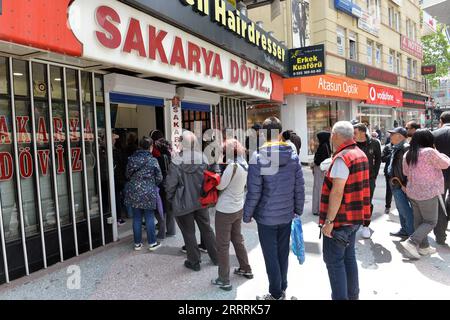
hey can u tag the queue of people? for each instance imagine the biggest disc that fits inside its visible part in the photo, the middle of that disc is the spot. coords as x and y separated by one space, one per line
269 188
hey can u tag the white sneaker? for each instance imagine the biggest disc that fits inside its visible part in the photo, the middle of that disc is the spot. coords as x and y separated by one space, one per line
427 251
365 232
154 246
410 249
137 246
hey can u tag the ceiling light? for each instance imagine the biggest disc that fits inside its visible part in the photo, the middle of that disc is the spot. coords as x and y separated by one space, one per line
18 74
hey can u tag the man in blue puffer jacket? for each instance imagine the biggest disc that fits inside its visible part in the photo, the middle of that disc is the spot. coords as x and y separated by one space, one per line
275 193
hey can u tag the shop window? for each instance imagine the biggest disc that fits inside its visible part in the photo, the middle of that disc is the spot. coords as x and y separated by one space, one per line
59 136
102 146
8 187
4 76
75 143
379 118
42 132
20 74
89 143
322 115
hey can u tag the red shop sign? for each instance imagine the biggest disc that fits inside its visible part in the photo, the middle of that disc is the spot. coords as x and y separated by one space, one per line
412 47
385 96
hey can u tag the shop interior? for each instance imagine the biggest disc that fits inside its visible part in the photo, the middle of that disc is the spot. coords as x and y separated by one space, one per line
127 119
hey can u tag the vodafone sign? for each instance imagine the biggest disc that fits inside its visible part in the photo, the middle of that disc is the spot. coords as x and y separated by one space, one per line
122 36
385 96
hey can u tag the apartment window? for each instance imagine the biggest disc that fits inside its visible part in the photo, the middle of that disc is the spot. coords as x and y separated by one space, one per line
340 41
378 52
352 46
369 52
391 60
391 17
398 63
409 67
397 19
410 29
414 32
414 69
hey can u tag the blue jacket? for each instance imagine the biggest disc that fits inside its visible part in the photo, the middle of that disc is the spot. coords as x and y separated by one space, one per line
144 176
275 185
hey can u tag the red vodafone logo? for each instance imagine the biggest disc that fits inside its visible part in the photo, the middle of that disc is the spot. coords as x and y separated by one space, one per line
380 95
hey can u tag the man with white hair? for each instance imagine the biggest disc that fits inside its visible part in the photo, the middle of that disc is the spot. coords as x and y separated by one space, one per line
345 205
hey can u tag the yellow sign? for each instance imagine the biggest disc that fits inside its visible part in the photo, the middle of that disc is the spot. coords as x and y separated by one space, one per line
232 2
243 27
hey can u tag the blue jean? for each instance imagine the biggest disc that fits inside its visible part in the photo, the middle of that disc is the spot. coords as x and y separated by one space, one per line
405 211
340 260
149 223
275 247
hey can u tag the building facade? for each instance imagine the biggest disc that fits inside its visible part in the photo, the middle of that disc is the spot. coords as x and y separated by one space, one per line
372 58
71 72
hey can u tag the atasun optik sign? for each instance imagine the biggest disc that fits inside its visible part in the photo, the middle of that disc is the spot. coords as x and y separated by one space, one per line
120 35
25 155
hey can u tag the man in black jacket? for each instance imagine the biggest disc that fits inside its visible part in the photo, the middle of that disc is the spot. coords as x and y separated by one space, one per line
372 149
442 143
386 158
398 181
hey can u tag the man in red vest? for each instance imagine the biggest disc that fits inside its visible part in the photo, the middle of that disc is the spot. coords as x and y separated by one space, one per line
345 205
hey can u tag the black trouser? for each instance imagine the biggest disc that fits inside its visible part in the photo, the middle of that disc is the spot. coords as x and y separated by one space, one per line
187 227
440 231
372 190
388 193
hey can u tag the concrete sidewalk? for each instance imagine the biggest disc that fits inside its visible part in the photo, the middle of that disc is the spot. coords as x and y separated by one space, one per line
118 272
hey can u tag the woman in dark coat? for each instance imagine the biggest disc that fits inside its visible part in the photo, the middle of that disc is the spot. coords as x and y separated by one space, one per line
144 176
162 151
323 152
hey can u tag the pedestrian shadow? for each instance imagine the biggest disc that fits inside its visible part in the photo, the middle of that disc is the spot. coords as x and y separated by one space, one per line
371 254
435 267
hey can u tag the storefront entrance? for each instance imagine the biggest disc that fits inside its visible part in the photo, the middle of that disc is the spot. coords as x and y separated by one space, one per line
130 122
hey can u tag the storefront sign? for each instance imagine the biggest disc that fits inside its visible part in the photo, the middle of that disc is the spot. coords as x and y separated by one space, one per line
221 24
412 100
429 22
355 70
26 162
385 96
176 122
360 71
412 47
349 7
431 69
128 38
381 75
327 85
370 22
307 61
226 16
41 25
